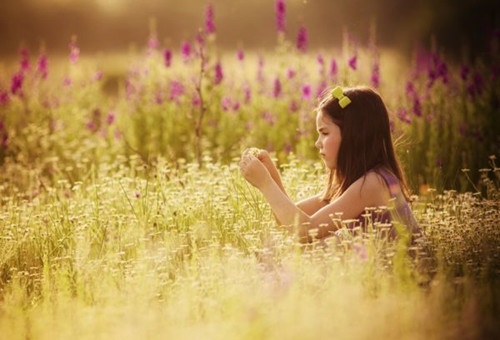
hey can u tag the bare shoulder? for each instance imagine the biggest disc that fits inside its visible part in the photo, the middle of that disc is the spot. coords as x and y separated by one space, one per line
372 189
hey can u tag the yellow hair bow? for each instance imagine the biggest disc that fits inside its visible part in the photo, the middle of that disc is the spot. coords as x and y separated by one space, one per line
338 93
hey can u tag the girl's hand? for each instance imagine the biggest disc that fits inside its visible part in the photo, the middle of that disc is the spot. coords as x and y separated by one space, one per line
263 156
254 171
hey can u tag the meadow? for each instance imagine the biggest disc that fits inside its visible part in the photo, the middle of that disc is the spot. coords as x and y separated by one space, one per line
123 213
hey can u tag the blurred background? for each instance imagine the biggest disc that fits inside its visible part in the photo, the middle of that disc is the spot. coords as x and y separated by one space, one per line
116 25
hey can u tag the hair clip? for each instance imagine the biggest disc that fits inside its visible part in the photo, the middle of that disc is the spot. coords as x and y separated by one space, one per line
338 93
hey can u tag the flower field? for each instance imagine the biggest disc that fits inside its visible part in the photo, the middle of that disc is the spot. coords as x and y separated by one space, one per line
123 213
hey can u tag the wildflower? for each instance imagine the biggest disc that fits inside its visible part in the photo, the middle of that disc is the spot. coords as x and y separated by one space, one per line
306 91
98 75
218 73
277 88
464 72
321 62
410 89
260 69
333 68
17 83
290 73
196 99
240 55
67 81
5 140
268 117
288 148
209 20
111 117
186 50
176 90
404 116
294 106
417 107
302 39
25 59
353 61
167 57
74 51
247 93
42 66
137 195
375 78
226 103
280 15
153 44
321 88
4 97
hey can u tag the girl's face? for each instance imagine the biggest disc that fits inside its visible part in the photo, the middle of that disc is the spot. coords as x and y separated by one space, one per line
328 141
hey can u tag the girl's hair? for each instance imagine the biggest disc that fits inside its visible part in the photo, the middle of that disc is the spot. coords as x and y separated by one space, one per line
366 142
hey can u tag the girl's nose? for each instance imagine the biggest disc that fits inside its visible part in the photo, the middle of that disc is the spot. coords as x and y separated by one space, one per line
317 144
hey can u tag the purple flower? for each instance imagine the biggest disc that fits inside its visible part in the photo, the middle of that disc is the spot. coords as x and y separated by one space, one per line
290 73
240 54
153 43
25 59
333 68
410 89
321 62
226 103
91 126
476 86
67 81
186 50
294 106
280 15
268 117
403 116
5 140
277 87
288 148
353 61
17 83
98 75
111 117
42 66
74 52
167 57
176 89
375 78
248 94
302 39
236 106
219 75
209 19
196 99
417 107
306 91
4 97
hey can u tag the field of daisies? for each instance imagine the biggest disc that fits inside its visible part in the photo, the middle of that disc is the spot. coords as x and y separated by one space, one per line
123 214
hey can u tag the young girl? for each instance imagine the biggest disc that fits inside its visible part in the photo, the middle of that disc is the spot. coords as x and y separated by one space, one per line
355 144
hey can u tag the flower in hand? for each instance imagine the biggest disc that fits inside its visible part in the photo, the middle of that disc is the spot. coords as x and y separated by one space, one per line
254 171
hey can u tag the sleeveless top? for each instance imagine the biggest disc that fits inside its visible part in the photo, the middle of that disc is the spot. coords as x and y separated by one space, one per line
398 210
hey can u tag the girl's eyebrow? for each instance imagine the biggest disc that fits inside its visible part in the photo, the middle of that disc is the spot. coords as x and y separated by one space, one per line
321 128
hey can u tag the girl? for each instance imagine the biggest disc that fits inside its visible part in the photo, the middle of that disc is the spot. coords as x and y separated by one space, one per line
355 144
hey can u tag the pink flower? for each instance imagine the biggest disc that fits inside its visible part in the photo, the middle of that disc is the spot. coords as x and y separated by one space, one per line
186 50
226 103
74 52
153 43
247 93
25 59
294 106
218 73
268 117
98 75
306 91
4 98
375 77
67 81
321 62
353 61
209 20
17 83
333 68
176 90
277 88
111 117
290 73
196 99
280 15
302 39
240 55
42 66
167 57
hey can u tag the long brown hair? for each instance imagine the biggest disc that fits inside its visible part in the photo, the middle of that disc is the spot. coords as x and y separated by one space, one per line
366 142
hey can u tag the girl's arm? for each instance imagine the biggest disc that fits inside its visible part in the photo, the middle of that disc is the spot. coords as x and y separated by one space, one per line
367 191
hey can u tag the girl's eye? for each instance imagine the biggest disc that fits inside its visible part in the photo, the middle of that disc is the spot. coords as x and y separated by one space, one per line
324 134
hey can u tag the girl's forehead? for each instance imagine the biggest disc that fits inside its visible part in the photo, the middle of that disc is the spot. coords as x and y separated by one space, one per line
322 118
